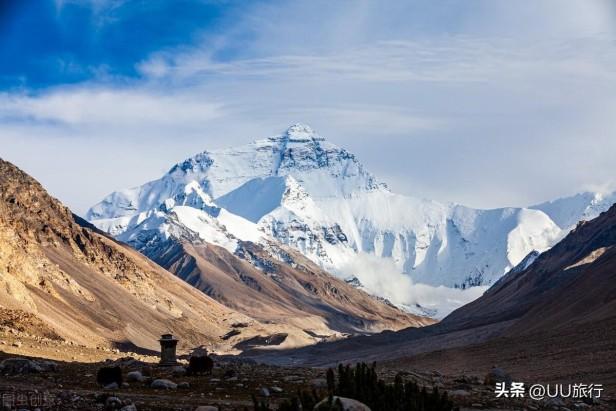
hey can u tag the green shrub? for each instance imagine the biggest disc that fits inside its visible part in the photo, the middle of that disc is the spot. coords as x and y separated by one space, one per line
362 384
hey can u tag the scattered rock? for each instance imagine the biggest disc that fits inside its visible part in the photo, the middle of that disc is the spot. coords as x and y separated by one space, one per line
112 386
163 384
348 404
277 390
178 371
264 392
129 407
318 383
113 403
17 344
554 403
292 378
459 393
206 408
497 375
230 334
14 366
590 401
184 385
135 376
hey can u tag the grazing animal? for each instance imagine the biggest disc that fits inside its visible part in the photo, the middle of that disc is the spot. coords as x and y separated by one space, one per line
109 375
198 365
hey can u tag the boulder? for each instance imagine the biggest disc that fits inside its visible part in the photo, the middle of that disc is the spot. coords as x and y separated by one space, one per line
163 384
112 386
14 366
178 371
497 375
264 392
135 376
113 403
348 404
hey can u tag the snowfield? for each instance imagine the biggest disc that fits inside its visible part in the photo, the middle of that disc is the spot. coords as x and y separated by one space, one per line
301 191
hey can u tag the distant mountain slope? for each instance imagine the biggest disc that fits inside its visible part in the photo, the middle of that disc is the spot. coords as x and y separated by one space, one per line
304 192
553 320
572 283
264 280
568 211
87 288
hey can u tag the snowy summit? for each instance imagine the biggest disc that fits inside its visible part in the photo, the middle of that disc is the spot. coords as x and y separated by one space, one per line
299 190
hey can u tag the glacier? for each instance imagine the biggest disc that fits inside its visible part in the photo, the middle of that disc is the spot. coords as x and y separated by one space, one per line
299 190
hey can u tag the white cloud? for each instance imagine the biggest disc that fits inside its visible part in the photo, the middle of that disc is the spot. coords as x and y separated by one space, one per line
381 277
102 107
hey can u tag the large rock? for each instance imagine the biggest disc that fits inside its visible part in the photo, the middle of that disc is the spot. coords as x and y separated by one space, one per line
135 376
14 366
178 371
111 387
163 384
348 404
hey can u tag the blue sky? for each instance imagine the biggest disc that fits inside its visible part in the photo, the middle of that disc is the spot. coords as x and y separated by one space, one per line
45 43
487 103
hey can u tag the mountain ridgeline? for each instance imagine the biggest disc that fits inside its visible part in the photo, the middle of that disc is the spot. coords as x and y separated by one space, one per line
552 321
76 283
298 190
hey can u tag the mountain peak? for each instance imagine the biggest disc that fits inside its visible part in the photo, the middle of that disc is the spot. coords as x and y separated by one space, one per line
300 130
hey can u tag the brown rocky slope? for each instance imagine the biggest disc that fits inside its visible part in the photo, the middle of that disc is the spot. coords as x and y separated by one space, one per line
59 277
283 287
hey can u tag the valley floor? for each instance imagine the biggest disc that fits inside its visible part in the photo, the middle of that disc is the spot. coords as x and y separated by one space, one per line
72 386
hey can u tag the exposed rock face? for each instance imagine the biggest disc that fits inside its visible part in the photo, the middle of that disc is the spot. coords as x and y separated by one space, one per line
286 289
62 278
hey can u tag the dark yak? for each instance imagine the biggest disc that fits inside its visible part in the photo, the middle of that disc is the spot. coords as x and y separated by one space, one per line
109 375
198 365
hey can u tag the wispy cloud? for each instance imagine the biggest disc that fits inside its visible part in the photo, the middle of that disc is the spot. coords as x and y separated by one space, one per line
94 107
496 104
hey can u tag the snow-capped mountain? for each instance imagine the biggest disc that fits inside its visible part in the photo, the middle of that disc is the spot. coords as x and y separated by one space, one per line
300 190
